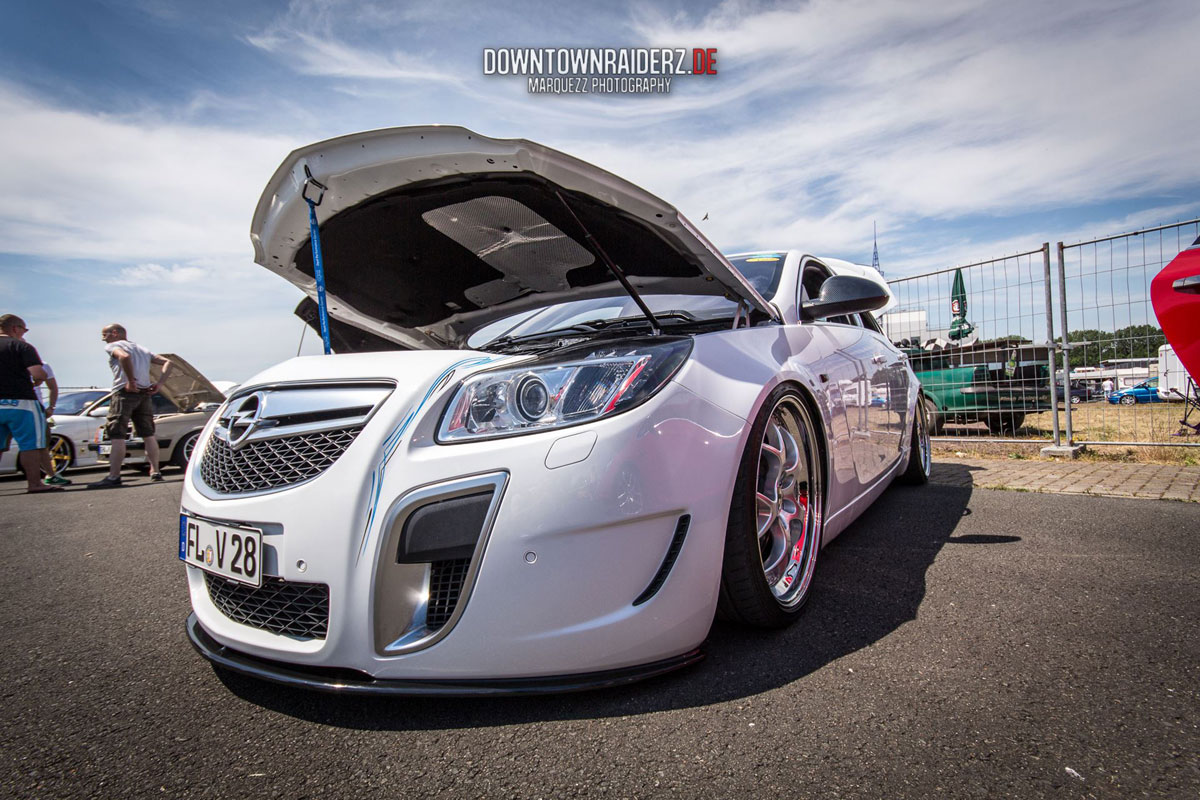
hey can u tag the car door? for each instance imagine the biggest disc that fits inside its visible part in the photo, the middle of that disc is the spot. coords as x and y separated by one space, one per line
856 380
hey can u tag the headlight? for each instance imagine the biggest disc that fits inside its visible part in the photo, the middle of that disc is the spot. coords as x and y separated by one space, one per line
554 394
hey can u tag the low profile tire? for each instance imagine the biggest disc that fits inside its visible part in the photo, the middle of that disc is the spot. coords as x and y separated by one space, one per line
61 454
933 420
920 454
775 518
1129 400
1076 400
185 449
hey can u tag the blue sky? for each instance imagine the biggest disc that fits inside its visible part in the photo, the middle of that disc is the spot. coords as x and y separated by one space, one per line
138 135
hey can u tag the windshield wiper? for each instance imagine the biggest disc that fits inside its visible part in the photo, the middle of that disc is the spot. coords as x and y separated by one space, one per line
592 326
579 327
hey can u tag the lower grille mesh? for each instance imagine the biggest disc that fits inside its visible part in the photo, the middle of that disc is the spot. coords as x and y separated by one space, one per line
300 610
446 580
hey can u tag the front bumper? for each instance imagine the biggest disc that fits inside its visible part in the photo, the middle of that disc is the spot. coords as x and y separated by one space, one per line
359 683
556 603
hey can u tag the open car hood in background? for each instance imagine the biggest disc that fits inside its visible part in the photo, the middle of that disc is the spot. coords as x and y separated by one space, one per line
185 386
429 233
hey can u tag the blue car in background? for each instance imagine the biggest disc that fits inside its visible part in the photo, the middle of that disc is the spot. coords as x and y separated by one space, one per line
1144 392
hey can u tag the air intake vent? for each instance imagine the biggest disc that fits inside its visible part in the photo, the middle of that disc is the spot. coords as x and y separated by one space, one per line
272 463
299 610
681 529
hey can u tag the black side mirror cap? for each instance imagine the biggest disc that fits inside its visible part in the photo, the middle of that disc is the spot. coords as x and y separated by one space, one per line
845 294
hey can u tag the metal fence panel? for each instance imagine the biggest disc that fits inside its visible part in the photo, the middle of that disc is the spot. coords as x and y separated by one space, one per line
1115 346
979 338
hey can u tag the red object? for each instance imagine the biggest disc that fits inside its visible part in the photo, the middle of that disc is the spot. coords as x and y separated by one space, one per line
1175 293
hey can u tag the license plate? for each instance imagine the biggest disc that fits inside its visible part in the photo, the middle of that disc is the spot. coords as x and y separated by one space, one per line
106 449
230 551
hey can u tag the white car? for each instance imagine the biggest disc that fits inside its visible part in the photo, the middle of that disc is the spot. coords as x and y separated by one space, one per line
582 432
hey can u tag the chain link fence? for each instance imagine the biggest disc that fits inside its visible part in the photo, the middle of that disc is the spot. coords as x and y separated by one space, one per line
986 340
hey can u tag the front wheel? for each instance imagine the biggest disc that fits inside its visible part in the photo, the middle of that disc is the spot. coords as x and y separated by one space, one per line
1128 400
1076 400
60 453
775 517
184 450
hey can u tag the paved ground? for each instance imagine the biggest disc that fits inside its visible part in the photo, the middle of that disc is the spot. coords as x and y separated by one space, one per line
958 644
1149 481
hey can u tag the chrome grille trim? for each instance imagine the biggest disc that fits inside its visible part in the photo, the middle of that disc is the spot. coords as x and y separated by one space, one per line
272 463
287 608
272 437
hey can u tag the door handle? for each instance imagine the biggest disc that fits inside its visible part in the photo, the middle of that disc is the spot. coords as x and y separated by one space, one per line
878 359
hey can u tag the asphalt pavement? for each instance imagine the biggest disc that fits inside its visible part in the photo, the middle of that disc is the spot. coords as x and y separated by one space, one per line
961 642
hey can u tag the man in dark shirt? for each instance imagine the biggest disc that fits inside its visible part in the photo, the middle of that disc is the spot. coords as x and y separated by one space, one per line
21 416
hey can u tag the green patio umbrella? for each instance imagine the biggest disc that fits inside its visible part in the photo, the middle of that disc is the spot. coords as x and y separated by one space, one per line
959 327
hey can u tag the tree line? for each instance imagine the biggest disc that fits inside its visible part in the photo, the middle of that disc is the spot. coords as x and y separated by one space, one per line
1091 346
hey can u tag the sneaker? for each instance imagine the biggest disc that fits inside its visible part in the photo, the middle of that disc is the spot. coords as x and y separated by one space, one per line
106 483
156 476
56 480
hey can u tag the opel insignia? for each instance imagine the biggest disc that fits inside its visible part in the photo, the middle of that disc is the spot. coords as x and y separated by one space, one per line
559 434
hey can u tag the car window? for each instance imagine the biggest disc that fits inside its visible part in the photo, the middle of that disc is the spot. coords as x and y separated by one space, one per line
162 405
869 321
74 402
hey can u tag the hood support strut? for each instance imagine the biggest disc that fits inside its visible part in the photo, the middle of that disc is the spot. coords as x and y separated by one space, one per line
655 326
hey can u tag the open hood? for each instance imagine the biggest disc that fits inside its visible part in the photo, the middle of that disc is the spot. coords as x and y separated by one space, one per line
185 386
429 233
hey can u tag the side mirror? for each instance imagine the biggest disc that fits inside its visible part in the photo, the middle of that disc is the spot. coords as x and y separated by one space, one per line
844 294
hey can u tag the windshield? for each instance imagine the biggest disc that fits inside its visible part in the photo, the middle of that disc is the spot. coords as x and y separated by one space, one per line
74 402
762 270
575 312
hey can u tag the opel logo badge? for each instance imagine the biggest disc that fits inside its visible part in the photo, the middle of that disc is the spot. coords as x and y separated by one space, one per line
244 419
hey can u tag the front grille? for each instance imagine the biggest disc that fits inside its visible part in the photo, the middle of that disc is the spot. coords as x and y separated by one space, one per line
445 584
272 463
299 610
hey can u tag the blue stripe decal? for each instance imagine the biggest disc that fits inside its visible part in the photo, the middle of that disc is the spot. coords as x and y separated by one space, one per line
392 442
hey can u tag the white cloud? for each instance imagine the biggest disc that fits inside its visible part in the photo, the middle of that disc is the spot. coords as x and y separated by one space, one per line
81 185
158 275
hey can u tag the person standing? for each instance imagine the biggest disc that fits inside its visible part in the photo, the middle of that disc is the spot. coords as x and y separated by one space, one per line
21 415
1108 387
47 393
131 401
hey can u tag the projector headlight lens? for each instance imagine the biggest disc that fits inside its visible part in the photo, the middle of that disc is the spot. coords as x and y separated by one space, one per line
606 381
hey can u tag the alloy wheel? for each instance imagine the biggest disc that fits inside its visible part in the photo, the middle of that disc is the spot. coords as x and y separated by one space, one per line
787 501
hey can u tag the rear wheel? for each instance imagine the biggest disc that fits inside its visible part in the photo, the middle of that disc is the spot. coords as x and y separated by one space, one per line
933 420
1076 399
60 453
775 518
920 454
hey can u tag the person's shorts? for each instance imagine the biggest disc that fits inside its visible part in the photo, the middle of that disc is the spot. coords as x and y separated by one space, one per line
126 407
24 421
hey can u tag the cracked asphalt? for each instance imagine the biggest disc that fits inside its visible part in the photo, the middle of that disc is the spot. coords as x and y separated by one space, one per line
960 642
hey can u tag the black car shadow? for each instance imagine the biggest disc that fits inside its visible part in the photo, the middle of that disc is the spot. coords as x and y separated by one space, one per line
869 582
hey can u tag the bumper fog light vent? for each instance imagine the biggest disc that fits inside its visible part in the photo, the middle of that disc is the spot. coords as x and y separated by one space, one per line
298 610
445 585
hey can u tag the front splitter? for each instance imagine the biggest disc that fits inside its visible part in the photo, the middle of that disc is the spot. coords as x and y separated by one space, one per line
352 682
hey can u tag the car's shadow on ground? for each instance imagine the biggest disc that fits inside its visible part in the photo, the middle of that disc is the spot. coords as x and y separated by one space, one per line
869 582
